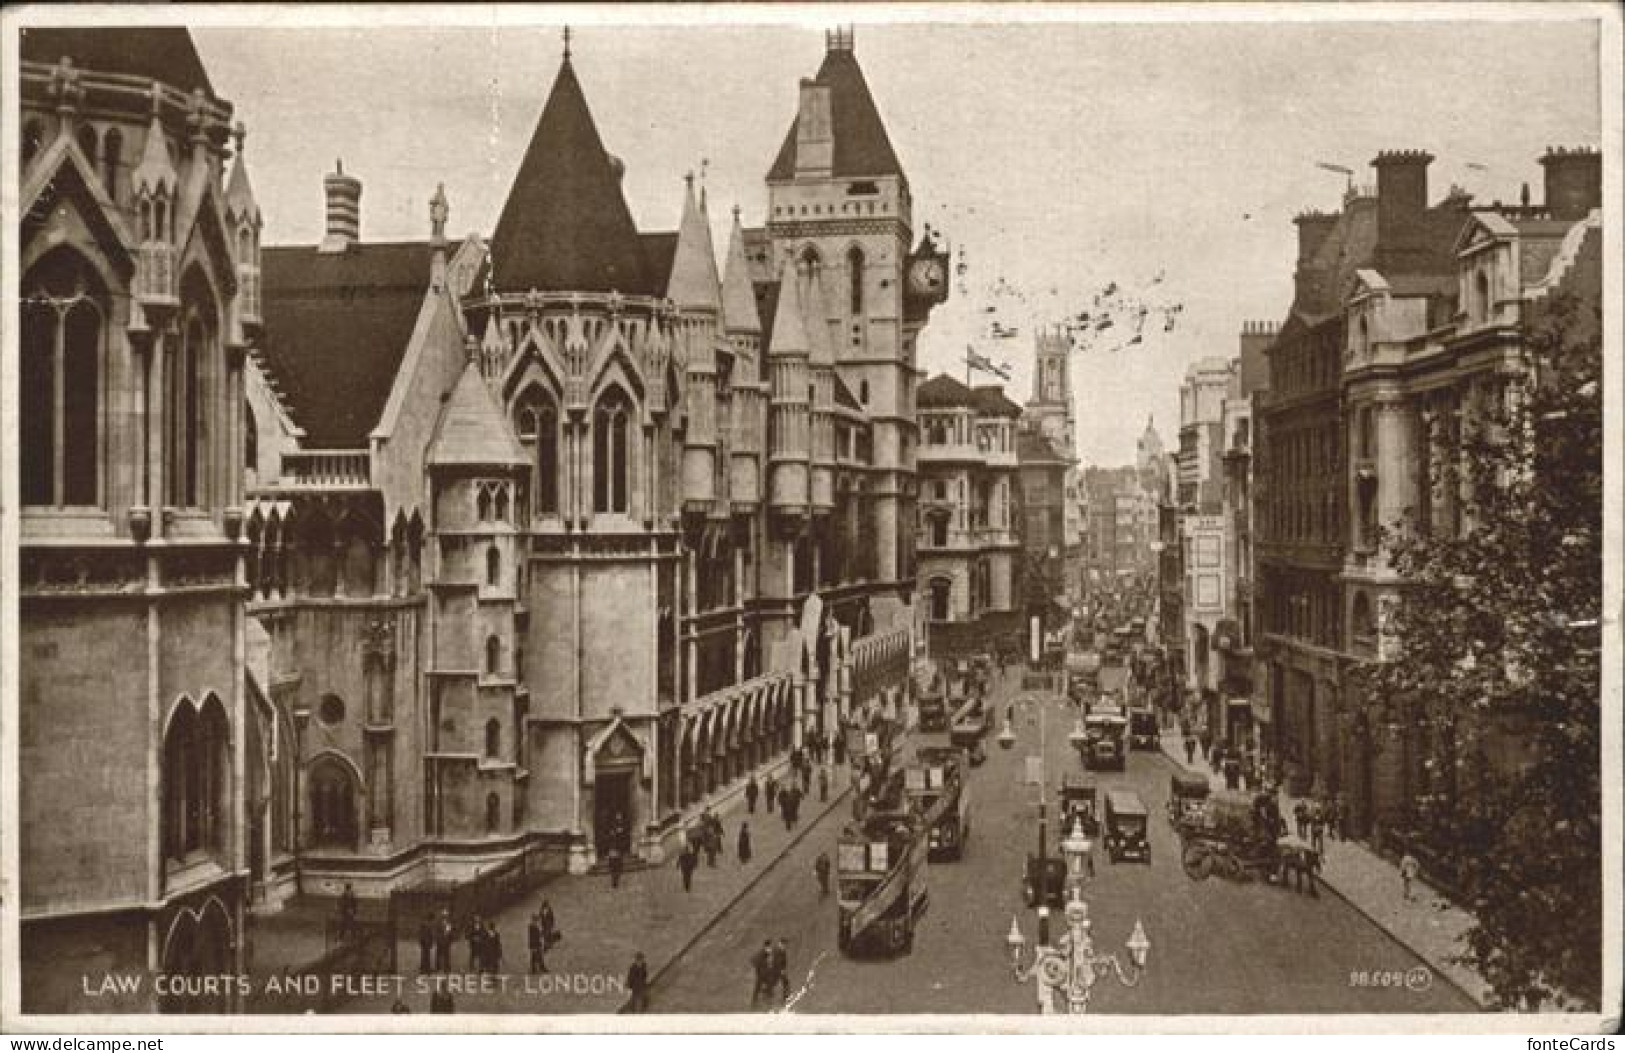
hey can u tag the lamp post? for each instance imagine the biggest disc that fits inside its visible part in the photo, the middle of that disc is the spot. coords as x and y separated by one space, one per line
1071 968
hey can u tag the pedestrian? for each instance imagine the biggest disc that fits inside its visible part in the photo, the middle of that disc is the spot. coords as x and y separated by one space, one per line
476 944
637 981
761 964
1339 816
751 790
784 808
806 778
781 969
1409 869
536 937
711 845
1300 819
1317 827
443 934
744 843
772 793
493 948
686 862
617 863
1232 771
823 784
1190 748
550 928
821 872
1204 742
426 944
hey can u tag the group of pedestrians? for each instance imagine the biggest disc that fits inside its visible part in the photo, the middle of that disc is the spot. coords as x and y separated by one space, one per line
1315 818
436 934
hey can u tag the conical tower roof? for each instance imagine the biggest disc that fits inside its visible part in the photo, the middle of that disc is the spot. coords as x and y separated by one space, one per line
789 328
738 296
472 430
862 147
694 280
565 226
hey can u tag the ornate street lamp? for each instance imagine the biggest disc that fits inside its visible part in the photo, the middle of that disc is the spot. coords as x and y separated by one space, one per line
1071 968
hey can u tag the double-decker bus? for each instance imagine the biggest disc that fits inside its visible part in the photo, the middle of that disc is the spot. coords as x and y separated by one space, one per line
938 791
881 870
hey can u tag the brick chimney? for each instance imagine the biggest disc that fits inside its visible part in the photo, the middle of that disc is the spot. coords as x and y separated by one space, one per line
343 211
1573 181
815 137
1402 202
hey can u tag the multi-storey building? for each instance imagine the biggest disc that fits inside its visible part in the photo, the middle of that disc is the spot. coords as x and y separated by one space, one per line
1429 353
138 729
1043 571
551 538
969 541
1198 494
1117 534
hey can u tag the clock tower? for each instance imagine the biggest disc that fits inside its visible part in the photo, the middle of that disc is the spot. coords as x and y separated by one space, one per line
841 214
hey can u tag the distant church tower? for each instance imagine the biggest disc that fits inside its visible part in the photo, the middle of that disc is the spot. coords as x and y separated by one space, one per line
1050 408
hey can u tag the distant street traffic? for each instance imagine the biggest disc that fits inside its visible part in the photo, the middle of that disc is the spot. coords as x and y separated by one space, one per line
1216 946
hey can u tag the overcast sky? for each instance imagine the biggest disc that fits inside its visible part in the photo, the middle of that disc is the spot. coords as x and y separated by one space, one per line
1061 156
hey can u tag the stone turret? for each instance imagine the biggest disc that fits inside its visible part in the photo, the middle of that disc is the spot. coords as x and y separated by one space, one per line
694 288
343 210
789 411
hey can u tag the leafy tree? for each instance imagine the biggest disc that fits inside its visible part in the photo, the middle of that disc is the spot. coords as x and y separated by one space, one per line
1490 654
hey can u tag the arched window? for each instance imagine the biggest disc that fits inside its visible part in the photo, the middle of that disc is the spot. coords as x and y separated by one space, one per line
251 439
195 780
63 328
333 800
33 139
190 420
493 738
87 144
112 148
811 262
493 566
493 656
537 422
854 265
611 433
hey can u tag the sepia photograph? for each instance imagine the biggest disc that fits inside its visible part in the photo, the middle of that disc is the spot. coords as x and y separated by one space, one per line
811 518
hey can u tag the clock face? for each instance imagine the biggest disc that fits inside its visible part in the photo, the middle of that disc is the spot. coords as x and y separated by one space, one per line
927 276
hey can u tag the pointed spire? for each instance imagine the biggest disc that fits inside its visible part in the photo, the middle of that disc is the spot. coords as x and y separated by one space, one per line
155 173
565 226
693 282
738 297
240 203
789 327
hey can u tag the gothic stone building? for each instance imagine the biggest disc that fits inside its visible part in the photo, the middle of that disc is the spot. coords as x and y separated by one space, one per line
139 296
558 536
385 563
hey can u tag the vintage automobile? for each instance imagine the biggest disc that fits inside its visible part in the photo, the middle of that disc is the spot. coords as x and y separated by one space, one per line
968 735
1080 805
1105 740
934 712
1126 827
1142 729
1043 883
1187 794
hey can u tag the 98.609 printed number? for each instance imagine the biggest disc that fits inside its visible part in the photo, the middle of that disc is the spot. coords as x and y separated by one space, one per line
1418 978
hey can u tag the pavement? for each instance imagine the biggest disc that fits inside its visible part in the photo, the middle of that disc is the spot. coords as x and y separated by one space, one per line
1429 924
603 926
1217 946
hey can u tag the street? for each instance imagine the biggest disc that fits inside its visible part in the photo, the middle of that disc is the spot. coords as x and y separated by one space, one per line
1216 946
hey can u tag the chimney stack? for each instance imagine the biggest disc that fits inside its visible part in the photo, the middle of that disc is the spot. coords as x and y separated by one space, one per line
1313 230
1402 202
1573 181
343 211
815 139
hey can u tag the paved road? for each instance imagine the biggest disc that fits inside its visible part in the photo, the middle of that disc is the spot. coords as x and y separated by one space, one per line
1217 947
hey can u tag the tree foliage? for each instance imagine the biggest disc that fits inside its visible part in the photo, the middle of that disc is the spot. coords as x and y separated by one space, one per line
1491 657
